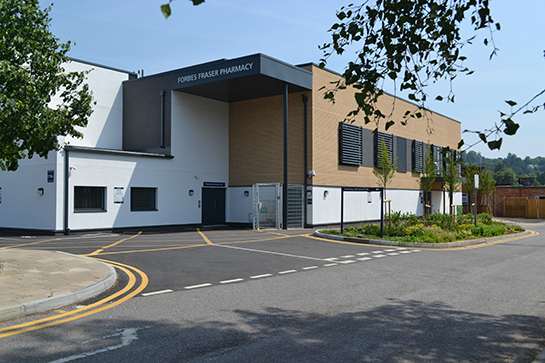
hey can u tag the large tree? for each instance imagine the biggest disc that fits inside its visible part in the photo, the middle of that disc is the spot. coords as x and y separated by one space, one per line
31 74
412 43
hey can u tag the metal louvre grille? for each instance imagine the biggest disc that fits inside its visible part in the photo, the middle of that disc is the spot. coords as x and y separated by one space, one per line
418 156
401 154
459 167
388 140
438 159
296 200
350 144
267 206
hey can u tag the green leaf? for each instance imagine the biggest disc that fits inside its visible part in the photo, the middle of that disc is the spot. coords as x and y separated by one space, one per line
165 9
482 137
389 124
460 144
495 145
197 2
511 127
511 103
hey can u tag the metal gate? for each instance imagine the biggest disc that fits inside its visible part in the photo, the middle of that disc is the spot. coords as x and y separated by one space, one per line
267 206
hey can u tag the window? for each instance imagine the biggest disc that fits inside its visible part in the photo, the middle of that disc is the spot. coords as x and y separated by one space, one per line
418 156
89 199
143 199
350 144
388 140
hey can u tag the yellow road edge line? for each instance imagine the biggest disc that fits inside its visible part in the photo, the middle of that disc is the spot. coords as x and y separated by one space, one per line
28 244
130 285
204 237
113 244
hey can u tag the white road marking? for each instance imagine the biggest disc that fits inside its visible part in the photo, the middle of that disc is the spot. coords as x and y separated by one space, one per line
331 264
377 252
364 259
391 250
127 335
270 252
310 267
393 254
287 272
406 252
379 256
331 259
347 261
156 292
362 254
348 256
231 281
260 276
417 250
197 286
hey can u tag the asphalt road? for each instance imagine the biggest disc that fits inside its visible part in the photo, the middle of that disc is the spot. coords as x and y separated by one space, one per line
276 296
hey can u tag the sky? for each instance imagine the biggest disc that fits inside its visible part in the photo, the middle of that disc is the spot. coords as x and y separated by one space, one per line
134 35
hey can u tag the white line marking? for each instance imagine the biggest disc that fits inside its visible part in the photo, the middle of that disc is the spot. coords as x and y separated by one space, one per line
379 256
348 256
347 261
127 336
364 258
231 281
417 250
377 252
197 286
310 267
331 264
157 292
331 259
272 253
260 276
406 252
390 250
393 254
287 272
362 254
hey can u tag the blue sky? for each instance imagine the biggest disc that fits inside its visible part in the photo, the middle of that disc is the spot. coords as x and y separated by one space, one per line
134 35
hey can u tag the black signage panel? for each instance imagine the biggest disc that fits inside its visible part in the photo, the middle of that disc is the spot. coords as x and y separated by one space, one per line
214 184
217 71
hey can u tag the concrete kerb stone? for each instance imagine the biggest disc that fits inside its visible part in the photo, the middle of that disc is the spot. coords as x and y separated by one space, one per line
56 302
419 244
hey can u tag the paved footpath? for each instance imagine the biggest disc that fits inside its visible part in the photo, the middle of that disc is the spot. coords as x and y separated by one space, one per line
33 281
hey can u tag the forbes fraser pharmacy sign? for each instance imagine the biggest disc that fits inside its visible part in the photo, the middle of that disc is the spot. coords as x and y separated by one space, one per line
217 71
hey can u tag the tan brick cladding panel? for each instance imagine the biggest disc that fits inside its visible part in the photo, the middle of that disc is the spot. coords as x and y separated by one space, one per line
326 115
256 140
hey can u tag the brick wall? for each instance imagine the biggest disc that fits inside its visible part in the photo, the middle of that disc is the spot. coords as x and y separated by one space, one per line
509 191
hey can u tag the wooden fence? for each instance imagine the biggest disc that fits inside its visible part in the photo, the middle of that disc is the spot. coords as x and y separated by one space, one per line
523 207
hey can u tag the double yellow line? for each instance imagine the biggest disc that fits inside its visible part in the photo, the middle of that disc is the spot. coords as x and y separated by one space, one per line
94 308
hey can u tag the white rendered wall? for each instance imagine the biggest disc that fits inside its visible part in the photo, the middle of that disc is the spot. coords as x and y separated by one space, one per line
238 205
105 127
327 209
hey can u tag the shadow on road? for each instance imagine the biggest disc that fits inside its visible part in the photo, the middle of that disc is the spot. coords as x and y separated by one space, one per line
401 331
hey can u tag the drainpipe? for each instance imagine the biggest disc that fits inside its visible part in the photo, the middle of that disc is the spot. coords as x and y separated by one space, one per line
305 171
285 188
162 94
66 189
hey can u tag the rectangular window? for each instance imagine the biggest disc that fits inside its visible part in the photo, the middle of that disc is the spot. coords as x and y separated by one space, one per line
418 156
388 140
350 144
143 199
89 199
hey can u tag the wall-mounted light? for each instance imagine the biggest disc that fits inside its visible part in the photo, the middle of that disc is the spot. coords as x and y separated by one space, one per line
326 193
191 192
311 173
309 193
246 193
40 191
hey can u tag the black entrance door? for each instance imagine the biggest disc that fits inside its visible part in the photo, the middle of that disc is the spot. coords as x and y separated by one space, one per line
213 206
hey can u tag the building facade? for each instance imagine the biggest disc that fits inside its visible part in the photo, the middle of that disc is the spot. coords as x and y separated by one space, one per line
187 147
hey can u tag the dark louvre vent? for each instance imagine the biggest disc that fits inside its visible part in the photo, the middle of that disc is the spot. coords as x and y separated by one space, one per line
438 159
401 154
350 144
388 140
418 156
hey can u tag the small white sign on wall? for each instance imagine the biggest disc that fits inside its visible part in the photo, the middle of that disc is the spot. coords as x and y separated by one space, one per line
119 194
369 197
